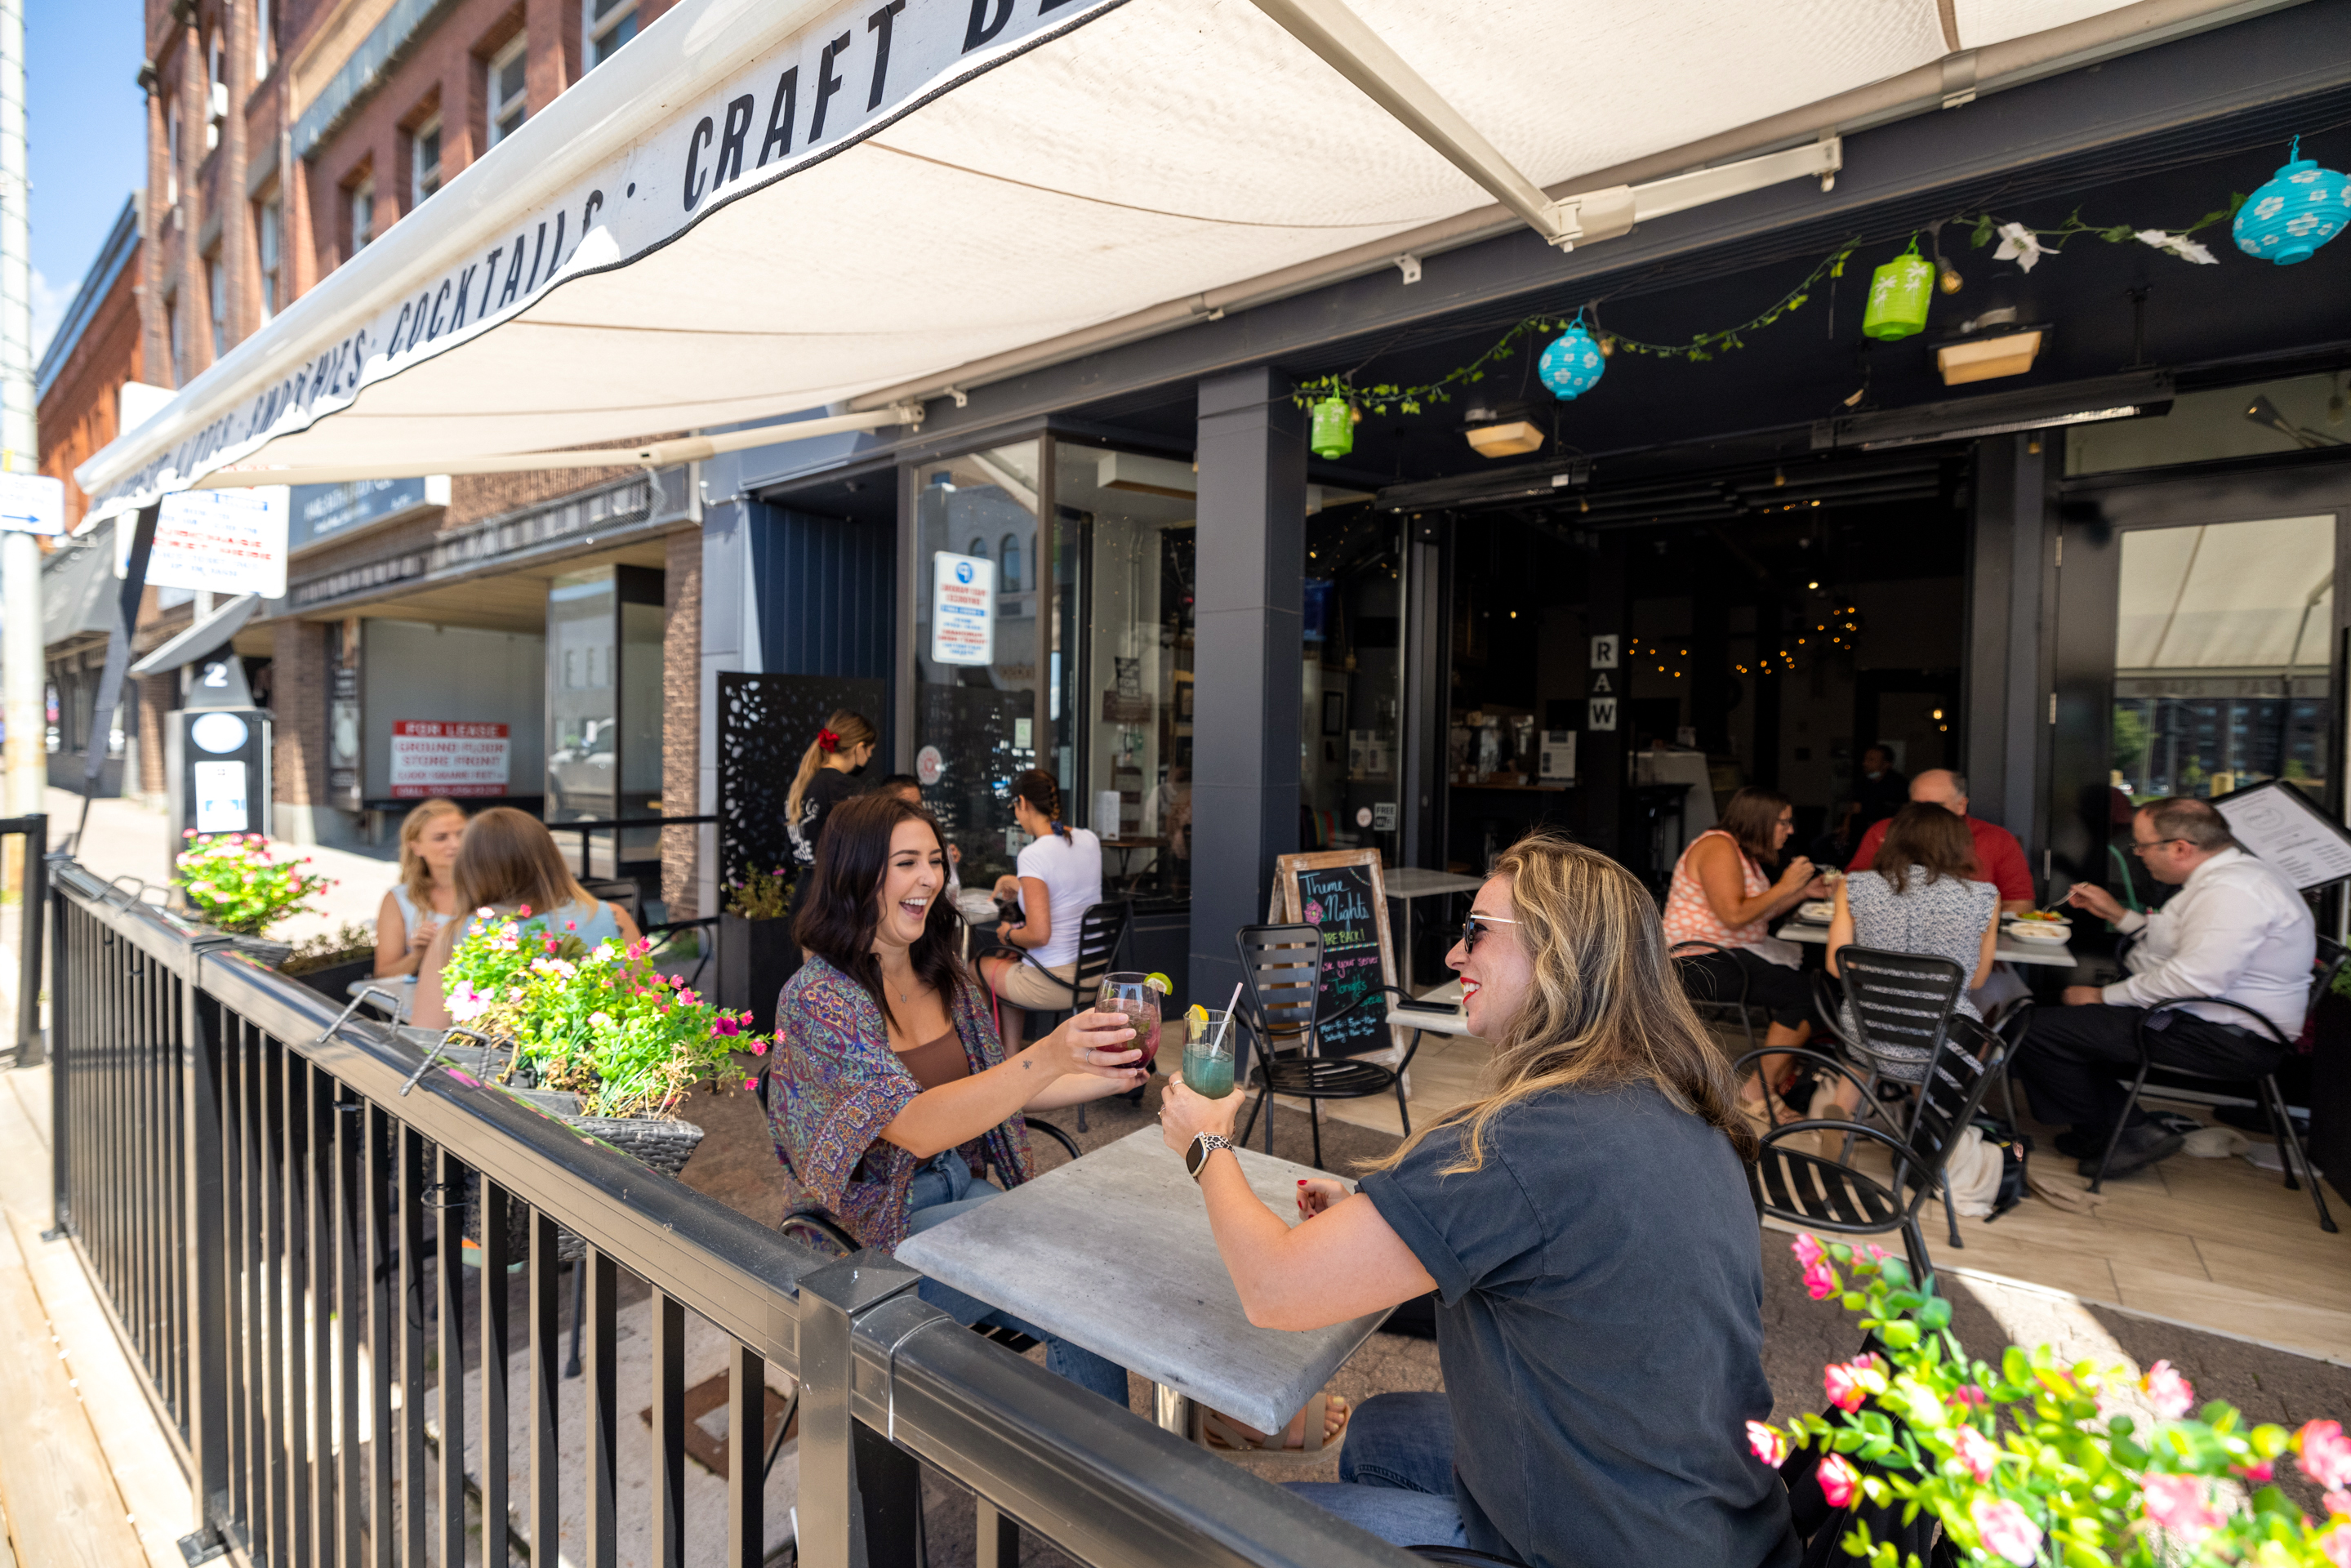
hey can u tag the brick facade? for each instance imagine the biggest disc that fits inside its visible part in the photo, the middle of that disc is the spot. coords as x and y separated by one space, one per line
79 410
681 718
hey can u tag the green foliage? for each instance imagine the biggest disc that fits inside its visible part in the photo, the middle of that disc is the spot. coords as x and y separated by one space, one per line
232 882
601 1022
2034 1462
2130 738
762 895
326 950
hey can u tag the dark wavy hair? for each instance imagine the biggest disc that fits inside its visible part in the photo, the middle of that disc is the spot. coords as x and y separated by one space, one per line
1927 838
843 906
1037 787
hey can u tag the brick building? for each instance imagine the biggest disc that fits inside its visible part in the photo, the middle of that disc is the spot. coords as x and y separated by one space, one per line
283 137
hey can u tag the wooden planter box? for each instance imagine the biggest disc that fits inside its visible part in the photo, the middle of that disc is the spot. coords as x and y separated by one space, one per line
755 959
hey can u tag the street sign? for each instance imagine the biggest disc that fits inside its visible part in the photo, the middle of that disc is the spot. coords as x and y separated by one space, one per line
222 541
32 503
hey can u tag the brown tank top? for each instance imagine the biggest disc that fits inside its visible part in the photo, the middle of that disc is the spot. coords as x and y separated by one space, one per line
937 1062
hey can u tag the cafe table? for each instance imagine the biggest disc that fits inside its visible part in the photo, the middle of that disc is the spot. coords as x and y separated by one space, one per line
2007 949
1114 1253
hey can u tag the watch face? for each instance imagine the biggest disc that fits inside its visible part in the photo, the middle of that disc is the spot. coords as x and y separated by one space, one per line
1196 1155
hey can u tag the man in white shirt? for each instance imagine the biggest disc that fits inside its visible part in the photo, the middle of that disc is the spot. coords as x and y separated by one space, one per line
2236 928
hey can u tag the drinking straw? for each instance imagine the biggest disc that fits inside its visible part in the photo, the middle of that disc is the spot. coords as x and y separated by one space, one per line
1218 1044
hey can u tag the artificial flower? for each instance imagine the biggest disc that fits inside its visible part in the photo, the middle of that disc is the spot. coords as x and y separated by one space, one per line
2181 1504
1770 1445
1851 1382
2020 246
750 1086
2336 1545
2325 1454
2180 245
1808 1251
2338 1504
2006 1530
1974 1452
1821 1281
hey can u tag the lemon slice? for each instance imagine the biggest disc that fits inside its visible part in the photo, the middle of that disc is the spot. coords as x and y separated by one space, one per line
1195 1013
1160 983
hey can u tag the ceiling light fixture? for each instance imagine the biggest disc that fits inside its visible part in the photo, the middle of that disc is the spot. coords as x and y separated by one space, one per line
1503 432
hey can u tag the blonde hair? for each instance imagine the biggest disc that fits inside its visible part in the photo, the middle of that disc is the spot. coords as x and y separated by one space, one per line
508 857
1606 1009
414 874
850 731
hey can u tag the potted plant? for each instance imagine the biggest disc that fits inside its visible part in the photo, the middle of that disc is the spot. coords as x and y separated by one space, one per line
236 885
2031 1462
328 962
755 951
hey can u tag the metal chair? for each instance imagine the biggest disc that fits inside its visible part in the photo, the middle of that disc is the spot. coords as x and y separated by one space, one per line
2331 958
1713 1006
1281 982
1899 1002
1832 1195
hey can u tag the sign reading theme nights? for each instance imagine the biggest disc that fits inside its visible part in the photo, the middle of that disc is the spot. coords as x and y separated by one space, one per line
861 65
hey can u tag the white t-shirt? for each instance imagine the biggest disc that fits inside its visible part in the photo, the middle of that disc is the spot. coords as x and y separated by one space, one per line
1070 870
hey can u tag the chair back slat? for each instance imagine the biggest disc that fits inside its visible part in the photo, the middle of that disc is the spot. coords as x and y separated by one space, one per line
1899 999
1282 975
1961 1072
1101 935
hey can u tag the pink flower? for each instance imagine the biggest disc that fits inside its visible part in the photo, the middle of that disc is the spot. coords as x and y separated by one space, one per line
1967 1397
1821 1280
525 912
2261 1473
572 926
2006 1530
1974 1452
1839 1480
1808 1251
723 1025
1770 1446
750 1086
2338 1504
2180 1504
688 998
758 1048
2326 1453
2172 1393
1851 1382
2336 1545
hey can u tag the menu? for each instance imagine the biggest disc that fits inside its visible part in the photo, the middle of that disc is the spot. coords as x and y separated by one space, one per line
2277 822
1342 893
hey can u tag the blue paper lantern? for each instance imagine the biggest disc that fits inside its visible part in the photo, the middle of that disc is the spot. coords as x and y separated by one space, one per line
1573 364
2301 208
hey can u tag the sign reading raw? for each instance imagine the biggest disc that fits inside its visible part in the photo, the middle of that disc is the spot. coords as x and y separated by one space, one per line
1342 893
440 756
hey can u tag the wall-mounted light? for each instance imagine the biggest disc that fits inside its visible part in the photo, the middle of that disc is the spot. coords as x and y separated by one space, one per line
1981 353
1501 433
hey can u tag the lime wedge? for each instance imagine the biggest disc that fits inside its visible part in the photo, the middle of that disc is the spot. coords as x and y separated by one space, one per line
1159 983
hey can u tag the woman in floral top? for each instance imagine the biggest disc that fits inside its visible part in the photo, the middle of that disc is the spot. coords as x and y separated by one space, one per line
892 1091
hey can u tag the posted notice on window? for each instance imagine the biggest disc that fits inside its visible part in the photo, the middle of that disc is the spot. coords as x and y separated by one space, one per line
219 541
460 758
963 609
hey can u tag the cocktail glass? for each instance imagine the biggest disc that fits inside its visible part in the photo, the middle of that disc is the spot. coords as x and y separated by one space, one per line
1208 1055
1138 998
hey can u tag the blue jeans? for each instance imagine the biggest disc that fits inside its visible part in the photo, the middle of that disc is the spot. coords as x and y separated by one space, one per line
942 1190
1396 1473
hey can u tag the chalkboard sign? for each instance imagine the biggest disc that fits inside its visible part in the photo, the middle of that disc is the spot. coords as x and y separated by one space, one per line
1342 893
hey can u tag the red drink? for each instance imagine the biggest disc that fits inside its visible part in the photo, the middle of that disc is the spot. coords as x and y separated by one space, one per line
1138 998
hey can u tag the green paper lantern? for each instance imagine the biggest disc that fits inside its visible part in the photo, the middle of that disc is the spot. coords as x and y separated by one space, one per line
1899 294
1334 433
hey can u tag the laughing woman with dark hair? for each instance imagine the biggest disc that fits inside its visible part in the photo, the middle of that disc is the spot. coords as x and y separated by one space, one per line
891 1088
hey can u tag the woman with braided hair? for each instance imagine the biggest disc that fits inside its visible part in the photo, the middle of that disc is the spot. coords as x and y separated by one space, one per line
1059 879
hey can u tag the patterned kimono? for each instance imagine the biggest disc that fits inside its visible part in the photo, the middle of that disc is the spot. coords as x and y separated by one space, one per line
836 1083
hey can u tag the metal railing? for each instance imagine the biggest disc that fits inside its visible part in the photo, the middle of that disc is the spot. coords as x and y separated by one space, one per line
278 1232
35 830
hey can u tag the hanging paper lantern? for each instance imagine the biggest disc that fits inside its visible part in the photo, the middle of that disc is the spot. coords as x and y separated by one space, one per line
2301 208
1899 294
1333 432
1573 364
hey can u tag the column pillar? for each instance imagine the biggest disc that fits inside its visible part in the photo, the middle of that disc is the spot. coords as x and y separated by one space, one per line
2006 684
1249 628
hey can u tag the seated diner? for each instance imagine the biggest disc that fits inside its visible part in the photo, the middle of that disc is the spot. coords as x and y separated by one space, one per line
1059 879
426 896
1723 902
1586 1226
507 864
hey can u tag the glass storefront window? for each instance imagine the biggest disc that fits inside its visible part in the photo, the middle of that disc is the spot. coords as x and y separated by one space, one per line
1124 578
2220 657
975 675
582 696
1350 673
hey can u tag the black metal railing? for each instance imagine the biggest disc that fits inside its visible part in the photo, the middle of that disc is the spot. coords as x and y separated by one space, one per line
304 1259
34 896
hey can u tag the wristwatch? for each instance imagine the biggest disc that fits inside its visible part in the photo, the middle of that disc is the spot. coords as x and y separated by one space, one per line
1204 1145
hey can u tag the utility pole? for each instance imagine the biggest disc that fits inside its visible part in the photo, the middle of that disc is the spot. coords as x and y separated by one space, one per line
23 653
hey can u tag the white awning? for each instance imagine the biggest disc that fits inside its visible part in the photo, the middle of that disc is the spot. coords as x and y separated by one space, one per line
757 209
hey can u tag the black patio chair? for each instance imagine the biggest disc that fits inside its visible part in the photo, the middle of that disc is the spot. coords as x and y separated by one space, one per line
1904 1001
2331 958
1101 936
1740 1011
1833 1195
1281 986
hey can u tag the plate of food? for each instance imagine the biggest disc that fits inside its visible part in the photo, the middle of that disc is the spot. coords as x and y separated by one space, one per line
1815 911
2024 928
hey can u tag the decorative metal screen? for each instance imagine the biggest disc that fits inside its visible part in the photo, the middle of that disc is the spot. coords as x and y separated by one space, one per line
764 724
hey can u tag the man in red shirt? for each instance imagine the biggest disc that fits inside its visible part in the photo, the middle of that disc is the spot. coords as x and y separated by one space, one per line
1999 859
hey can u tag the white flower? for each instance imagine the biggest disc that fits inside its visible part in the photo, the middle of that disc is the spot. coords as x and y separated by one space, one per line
2018 244
467 1003
2180 245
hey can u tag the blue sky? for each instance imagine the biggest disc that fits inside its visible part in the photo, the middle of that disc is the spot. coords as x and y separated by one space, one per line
87 127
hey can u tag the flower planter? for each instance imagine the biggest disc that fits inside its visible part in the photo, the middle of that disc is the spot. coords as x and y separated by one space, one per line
755 959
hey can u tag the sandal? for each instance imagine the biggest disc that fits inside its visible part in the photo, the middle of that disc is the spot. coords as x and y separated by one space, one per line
1220 1433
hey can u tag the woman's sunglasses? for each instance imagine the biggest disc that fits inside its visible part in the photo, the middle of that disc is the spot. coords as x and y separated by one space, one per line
1475 928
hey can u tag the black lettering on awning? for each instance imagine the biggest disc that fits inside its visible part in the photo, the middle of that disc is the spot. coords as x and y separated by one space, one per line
489 281
729 165
537 250
780 112
465 294
513 275
827 84
402 325
555 257
694 146
433 327
879 24
983 29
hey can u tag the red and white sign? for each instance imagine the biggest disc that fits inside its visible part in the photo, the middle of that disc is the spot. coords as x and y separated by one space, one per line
447 757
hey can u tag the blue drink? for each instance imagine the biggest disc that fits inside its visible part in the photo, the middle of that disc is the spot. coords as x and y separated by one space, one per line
1208 1060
